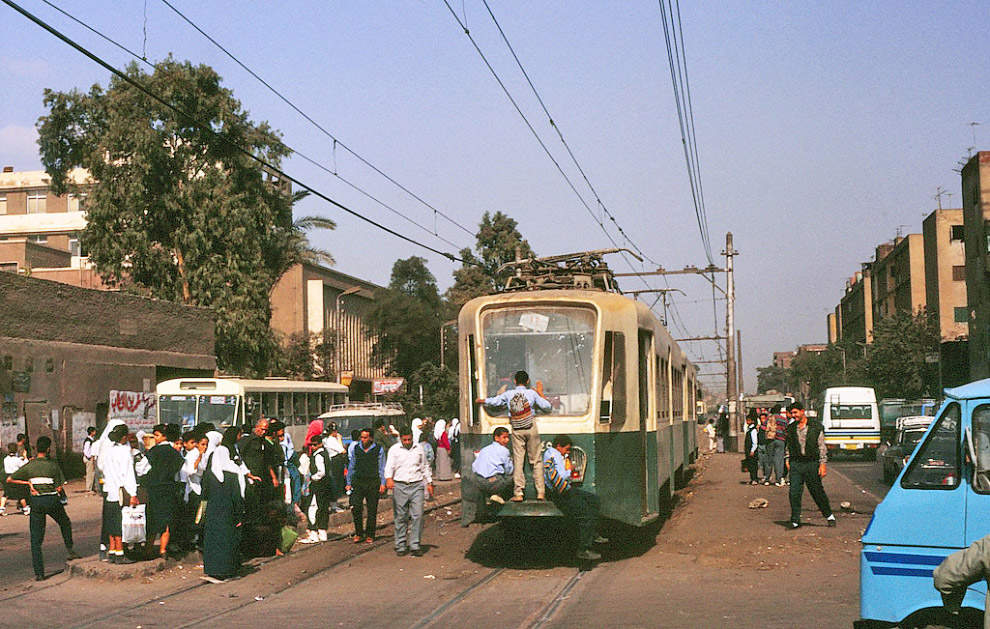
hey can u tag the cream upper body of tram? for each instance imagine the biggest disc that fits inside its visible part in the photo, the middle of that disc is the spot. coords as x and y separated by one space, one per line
619 387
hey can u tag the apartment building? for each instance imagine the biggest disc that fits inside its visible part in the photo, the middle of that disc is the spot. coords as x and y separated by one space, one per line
976 234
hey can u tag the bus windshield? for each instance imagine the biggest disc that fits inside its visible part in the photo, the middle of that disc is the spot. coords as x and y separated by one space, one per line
219 410
552 344
177 409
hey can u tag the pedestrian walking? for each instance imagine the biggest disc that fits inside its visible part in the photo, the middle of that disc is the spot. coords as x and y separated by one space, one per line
15 492
454 434
750 445
522 404
491 476
444 471
334 445
44 480
407 475
709 431
223 490
578 504
321 490
806 459
721 430
90 460
366 483
777 448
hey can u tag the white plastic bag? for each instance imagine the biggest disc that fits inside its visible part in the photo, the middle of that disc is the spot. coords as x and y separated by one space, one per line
133 524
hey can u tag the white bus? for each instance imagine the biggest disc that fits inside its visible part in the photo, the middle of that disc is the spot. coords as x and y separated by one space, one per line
239 401
350 417
851 420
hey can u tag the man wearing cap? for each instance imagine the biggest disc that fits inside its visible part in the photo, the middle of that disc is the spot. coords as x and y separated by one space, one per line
44 479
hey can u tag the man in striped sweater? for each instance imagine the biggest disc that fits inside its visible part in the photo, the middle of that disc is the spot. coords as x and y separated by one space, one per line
522 404
573 502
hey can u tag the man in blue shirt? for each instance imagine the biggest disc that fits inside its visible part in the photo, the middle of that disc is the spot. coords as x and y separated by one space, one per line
522 404
366 482
491 476
575 503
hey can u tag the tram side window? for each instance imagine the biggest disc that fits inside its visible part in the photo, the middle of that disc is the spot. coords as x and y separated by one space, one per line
613 406
981 448
936 462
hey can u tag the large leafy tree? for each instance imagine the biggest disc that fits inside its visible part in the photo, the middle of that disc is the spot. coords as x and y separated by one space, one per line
176 210
496 243
895 362
771 378
407 318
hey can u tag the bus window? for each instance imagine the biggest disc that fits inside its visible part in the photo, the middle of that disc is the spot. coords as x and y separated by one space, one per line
216 409
177 409
313 408
981 447
268 404
935 464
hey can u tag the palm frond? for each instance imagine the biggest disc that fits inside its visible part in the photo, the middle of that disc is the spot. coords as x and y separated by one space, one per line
306 223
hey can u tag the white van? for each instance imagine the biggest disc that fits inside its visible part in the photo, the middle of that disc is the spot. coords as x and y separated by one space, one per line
851 420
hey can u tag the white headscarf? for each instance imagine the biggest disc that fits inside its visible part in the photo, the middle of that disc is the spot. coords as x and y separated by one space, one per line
213 437
454 430
102 445
222 462
417 429
439 428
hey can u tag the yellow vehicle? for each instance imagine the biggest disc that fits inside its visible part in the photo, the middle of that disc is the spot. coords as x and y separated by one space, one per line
619 385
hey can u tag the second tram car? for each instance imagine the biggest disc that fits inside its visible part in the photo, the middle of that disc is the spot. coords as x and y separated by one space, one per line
620 386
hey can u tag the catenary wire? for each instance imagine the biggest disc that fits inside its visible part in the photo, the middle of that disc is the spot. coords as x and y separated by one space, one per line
312 121
140 87
301 155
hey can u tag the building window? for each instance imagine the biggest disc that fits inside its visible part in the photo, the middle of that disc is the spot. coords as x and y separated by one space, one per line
3 202
77 202
74 248
960 314
41 239
956 232
959 273
37 202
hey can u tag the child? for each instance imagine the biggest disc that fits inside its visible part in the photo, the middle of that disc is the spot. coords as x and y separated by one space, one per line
710 431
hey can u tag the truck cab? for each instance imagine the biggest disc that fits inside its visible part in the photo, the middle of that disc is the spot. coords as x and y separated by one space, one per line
938 504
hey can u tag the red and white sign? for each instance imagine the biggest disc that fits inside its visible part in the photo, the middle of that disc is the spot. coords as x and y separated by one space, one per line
387 385
136 409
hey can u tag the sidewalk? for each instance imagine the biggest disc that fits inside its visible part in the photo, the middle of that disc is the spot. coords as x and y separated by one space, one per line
719 563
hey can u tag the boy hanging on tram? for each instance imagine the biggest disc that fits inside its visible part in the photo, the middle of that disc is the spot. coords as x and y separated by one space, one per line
522 404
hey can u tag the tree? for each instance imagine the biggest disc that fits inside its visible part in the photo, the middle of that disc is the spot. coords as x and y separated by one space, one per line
407 317
771 378
440 392
496 244
306 357
810 373
895 362
176 210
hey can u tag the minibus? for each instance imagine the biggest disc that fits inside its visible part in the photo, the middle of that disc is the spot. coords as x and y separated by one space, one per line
851 420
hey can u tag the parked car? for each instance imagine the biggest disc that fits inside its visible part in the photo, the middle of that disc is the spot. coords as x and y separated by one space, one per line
907 433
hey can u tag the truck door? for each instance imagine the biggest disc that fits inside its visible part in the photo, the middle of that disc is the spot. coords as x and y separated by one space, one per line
978 450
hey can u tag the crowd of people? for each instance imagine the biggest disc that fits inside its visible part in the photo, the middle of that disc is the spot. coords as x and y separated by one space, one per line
234 495
786 448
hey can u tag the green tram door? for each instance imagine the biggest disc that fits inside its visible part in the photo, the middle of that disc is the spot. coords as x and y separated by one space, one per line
649 492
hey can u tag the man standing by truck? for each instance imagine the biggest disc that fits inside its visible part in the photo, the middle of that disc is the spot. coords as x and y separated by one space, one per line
806 459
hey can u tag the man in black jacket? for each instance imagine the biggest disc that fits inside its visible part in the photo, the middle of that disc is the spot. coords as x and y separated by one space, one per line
806 458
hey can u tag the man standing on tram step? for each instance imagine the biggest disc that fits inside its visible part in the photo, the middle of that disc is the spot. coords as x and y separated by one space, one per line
160 484
44 479
806 458
575 503
491 476
407 474
526 443
366 482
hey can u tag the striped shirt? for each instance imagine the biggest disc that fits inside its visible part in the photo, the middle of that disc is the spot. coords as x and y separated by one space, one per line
44 474
555 471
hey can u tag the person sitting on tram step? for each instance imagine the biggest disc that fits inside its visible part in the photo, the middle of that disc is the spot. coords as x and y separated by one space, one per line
520 403
575 503
491 476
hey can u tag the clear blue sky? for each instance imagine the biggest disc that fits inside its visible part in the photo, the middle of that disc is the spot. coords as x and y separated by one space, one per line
822 127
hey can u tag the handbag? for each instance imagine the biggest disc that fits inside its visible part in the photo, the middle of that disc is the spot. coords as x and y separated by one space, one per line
133 524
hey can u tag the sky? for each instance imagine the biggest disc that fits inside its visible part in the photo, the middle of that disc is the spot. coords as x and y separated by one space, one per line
823 128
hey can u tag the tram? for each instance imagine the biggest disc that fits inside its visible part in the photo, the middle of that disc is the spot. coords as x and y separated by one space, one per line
619 385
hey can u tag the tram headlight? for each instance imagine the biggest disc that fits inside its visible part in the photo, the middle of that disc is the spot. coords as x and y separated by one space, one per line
578 460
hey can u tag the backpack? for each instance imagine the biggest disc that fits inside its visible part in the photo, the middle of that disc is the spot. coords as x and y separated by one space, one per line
518 405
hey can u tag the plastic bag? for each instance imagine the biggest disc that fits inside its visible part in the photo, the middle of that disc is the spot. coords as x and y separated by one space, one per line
288 539
133 524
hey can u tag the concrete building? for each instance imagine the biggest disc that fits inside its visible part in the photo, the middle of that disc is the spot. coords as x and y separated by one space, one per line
945 287
898 275
783 359
832 326
855 310
311 299
976 228
29 210
63 349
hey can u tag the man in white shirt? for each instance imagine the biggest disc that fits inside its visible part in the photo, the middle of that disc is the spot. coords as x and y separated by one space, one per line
90 460
406 470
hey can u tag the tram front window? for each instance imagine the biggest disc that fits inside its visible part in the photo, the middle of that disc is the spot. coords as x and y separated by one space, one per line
552 344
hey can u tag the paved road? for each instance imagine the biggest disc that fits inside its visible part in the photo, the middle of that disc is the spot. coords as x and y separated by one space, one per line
864 474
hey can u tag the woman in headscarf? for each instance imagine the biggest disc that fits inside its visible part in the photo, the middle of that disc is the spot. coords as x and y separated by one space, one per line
100 448
195 467
443 451
454 434
417 429
223 490
315 428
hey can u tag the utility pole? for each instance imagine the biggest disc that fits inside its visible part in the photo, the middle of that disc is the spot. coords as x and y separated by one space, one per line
731 383
739 363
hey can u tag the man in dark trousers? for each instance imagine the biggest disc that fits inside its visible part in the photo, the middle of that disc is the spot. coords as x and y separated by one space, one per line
806 458
366 483
44 479
160 484
581 505
257 457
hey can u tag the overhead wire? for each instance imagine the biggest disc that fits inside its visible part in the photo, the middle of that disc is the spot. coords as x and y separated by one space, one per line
313 122
214 134
301 155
